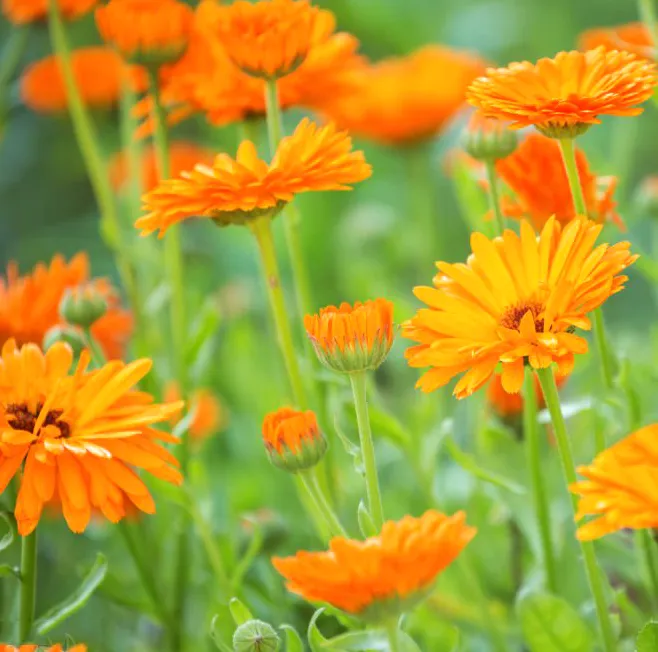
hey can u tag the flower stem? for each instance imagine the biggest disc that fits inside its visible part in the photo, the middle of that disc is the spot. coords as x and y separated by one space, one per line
594 575
333 521
603 349
540 496
358 381
323 512
11 57
646 545
648 16
28 586
494 196
393 637
97 356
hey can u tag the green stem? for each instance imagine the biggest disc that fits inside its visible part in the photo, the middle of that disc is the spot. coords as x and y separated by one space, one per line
11 57
605 356
131 147
358 381
540 495
594 575
494 196
648 16
332 519
568 149
28 586
310 484
646 546
95 350
422 207
393 636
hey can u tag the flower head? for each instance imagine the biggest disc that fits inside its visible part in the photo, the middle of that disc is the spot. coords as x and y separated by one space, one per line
29 305
517 299
488 139
78 436
293 440
208 413
632 37
378 577
398 101
352 338
30 11
6 647
147 32
238 191
563 96
98 73
619 488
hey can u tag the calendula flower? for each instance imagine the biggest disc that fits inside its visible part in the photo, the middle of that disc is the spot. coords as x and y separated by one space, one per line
619 488
352 338
293 440
147 32
99 73
77 437
29 305
6 647
517 299
398 101
535 173
632 37
30 11
565 95
183 155
209 414
383 575
238 191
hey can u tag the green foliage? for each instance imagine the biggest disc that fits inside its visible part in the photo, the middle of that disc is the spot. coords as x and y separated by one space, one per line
647 639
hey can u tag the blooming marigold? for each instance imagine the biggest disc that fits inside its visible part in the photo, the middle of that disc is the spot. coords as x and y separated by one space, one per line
620 486
208 413
352 338
29 305
536 174
98 73
238 191
78 435
632 37
382 574
518 298
293 440
29 11
147 32
565 95
7 647
398 101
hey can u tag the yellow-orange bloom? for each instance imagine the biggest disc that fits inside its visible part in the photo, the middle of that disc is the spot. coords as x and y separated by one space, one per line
29 11
378 576
620 486
78 436
563 96
352 338
28 647
632 37
535 172
98 73
29 305
398 101
209 415
518 298
148 32
237 191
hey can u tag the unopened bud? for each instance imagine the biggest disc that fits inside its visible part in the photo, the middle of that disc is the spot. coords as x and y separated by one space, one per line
487 139
255 636
82 306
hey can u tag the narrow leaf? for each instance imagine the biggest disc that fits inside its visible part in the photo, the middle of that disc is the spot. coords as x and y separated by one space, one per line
371 640
8 538
239 611
315 639
293 639
647 640
6 570
216 635
366 524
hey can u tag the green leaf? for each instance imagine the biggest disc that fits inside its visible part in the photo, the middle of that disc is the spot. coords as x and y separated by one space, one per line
205 327
76 600
386 425
315 639
239 611
647 640
550 624
407 644
351 448
366 524
371 640
6 570
8 538
293 639
216 635
255 545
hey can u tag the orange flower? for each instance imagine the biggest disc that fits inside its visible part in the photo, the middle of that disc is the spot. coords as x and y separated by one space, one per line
620 486
535 172
98 73
148 32
29 305
517 299
182 156
271 38
78 436
7 647
208 413
563 96
398 101
382 573
237 191
632 37
29 11
349 339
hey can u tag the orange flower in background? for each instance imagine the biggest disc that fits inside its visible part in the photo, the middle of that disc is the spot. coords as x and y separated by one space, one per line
182 156
535 173
29 305
632 37
509 406
563 96
620 488
7 647
98 72
237 191
29 11
209 415
148 32
517 298
382 573
352 338
78 436
398 101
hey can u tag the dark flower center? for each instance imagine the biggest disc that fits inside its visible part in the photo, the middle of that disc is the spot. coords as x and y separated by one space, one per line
19 417
513 315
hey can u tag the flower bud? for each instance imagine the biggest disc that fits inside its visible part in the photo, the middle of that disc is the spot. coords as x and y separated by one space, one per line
487 139
293 440
67 334
255 636
82 306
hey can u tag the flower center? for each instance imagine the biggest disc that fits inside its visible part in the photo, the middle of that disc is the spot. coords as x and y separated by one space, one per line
513 315
19 417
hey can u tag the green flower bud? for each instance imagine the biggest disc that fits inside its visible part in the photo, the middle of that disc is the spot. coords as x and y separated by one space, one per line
486 139
255 636
82 306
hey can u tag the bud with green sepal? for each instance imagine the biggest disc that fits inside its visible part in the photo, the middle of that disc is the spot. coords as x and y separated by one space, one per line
82 306
255 636
487 139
